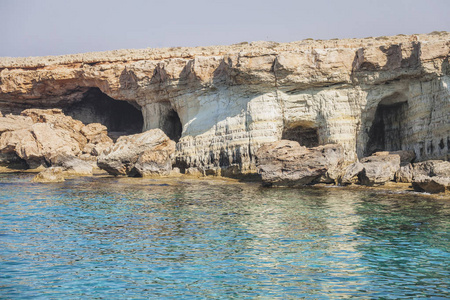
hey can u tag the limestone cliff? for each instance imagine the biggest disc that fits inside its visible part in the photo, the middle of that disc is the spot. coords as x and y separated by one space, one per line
222 103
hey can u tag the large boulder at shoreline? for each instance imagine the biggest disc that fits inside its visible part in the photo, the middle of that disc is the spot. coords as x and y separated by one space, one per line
404 174
432 176
141 154
350 174
432 185
379 169
432 168
286 163
38 135
58 120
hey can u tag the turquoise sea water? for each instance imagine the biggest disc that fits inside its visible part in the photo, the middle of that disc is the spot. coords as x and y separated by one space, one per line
109 238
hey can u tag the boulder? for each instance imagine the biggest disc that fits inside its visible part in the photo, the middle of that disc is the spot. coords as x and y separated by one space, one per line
54 141
96 149
92 130
379 169
53 174
432 176
432 185
193 171
38 144
96 133
404 174
334 157
97 139
122 157
11 123
72 165
351 173
286 163
406 156
154 162
432 168
23 144
58 120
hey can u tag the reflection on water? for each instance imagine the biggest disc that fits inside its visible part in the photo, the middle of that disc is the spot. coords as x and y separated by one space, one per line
142 238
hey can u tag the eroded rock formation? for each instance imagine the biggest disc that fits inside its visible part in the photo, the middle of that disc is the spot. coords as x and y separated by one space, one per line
220 104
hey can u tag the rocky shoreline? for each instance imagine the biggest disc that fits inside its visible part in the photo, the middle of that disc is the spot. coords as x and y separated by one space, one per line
363 112
58 146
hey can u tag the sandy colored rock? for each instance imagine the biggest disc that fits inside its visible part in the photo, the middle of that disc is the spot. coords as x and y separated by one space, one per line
432 176
121 158
373 94
92 130
53 141
54 174
404 174
155 162
72 165
57 120
194 172
432 185
350 174
432 168
13 122
379 169
406 156
286 163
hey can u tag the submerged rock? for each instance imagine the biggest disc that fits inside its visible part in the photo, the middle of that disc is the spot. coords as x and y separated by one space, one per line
141 154
286 163
72 165
53 174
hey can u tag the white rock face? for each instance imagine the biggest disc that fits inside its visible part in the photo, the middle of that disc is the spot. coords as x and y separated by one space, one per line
222 103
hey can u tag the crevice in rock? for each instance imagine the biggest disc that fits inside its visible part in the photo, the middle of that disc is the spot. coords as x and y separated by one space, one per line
386 133
172 125
120 117
304 135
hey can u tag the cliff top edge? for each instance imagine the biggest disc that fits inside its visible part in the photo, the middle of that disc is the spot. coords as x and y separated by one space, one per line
253 48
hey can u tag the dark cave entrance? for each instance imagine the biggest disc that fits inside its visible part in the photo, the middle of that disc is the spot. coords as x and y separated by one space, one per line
387 128
172 125
120 117
304 135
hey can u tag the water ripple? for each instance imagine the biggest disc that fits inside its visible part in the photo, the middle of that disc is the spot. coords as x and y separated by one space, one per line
120 238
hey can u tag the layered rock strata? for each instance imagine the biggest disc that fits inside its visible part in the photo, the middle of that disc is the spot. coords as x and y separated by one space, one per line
220 104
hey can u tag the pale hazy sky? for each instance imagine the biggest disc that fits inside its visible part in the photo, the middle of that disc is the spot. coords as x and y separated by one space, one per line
53 27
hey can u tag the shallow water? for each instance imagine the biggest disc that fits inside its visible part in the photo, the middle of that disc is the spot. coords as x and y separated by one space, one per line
109 238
